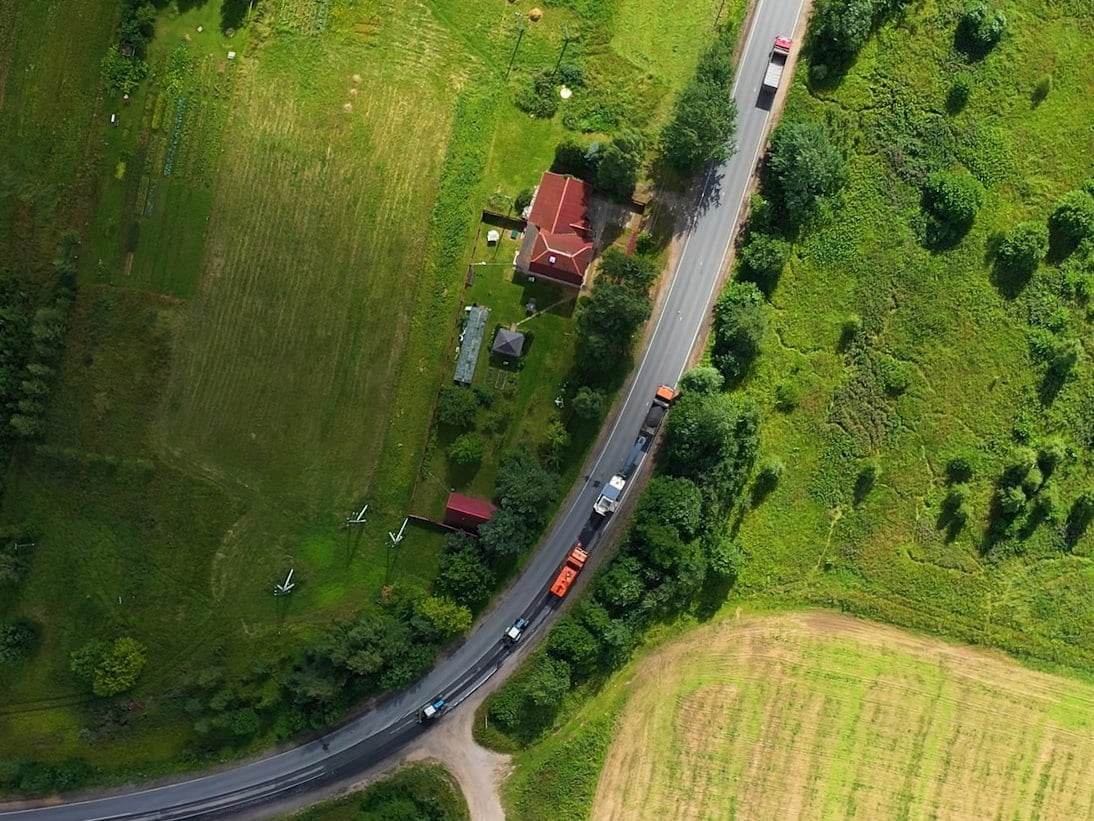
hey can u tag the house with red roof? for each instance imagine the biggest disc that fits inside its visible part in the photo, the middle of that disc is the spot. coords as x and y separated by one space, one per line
557 243
467 512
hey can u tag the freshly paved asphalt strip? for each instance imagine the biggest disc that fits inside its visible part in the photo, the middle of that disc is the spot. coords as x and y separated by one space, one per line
393 723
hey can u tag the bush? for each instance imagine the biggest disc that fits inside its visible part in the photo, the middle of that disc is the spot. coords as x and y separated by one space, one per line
768 476
556 439
951 199
464 576
1012 501
638 272
122 74
1079 517
705 380
645 244
523 200
618 165
1023 248
571 158
980 28
803 166
866 479
959 93
740 323
762 261
539 96
1042 89
588 403
1073 217
447 617
18 641
109 667
787 396
468 449
895 376
457 406
570 75
959 468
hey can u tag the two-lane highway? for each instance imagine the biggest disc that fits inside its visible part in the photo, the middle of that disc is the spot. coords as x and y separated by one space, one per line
393 724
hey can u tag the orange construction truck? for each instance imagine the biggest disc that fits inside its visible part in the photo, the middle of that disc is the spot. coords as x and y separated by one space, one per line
574 562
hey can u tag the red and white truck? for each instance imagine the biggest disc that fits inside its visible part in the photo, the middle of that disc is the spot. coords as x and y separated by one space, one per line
777 62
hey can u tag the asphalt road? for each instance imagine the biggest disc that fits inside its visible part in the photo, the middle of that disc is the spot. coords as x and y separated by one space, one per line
391 725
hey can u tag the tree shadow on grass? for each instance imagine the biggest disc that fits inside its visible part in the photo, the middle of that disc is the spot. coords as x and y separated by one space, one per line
1010 280
1060 245
951 520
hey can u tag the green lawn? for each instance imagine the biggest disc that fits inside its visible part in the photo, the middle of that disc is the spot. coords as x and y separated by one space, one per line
50 122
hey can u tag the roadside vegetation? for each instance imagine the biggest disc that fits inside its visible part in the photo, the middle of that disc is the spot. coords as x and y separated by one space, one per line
229 329
422 792
909 325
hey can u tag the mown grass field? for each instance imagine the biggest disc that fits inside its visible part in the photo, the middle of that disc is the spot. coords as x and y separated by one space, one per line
51 154
821 716
962 337
269 288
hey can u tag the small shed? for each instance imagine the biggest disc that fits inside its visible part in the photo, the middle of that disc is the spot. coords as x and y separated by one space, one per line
508 343
493 237
467 512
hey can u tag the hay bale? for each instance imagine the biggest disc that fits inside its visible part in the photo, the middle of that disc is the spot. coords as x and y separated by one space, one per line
535 15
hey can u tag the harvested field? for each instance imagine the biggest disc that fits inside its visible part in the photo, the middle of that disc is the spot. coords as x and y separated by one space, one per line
820 716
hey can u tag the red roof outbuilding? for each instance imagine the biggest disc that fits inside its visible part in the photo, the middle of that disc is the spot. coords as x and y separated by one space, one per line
560 248
467 512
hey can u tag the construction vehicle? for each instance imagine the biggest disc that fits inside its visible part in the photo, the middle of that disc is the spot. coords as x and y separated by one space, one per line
609 498
570 569
516 632
776 63
662 401
432 710
612 494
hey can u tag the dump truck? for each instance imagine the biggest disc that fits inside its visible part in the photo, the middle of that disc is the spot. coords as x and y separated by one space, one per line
516 632
776 63
433 709
574 562
662 401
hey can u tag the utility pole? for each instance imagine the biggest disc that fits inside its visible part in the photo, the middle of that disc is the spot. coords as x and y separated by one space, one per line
565 44
395 538
357 518
520 36
282 589
718 16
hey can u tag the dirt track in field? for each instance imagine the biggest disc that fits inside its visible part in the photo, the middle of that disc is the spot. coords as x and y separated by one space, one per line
815 715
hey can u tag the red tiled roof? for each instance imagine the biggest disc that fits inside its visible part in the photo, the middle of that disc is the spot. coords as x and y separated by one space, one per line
561 249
